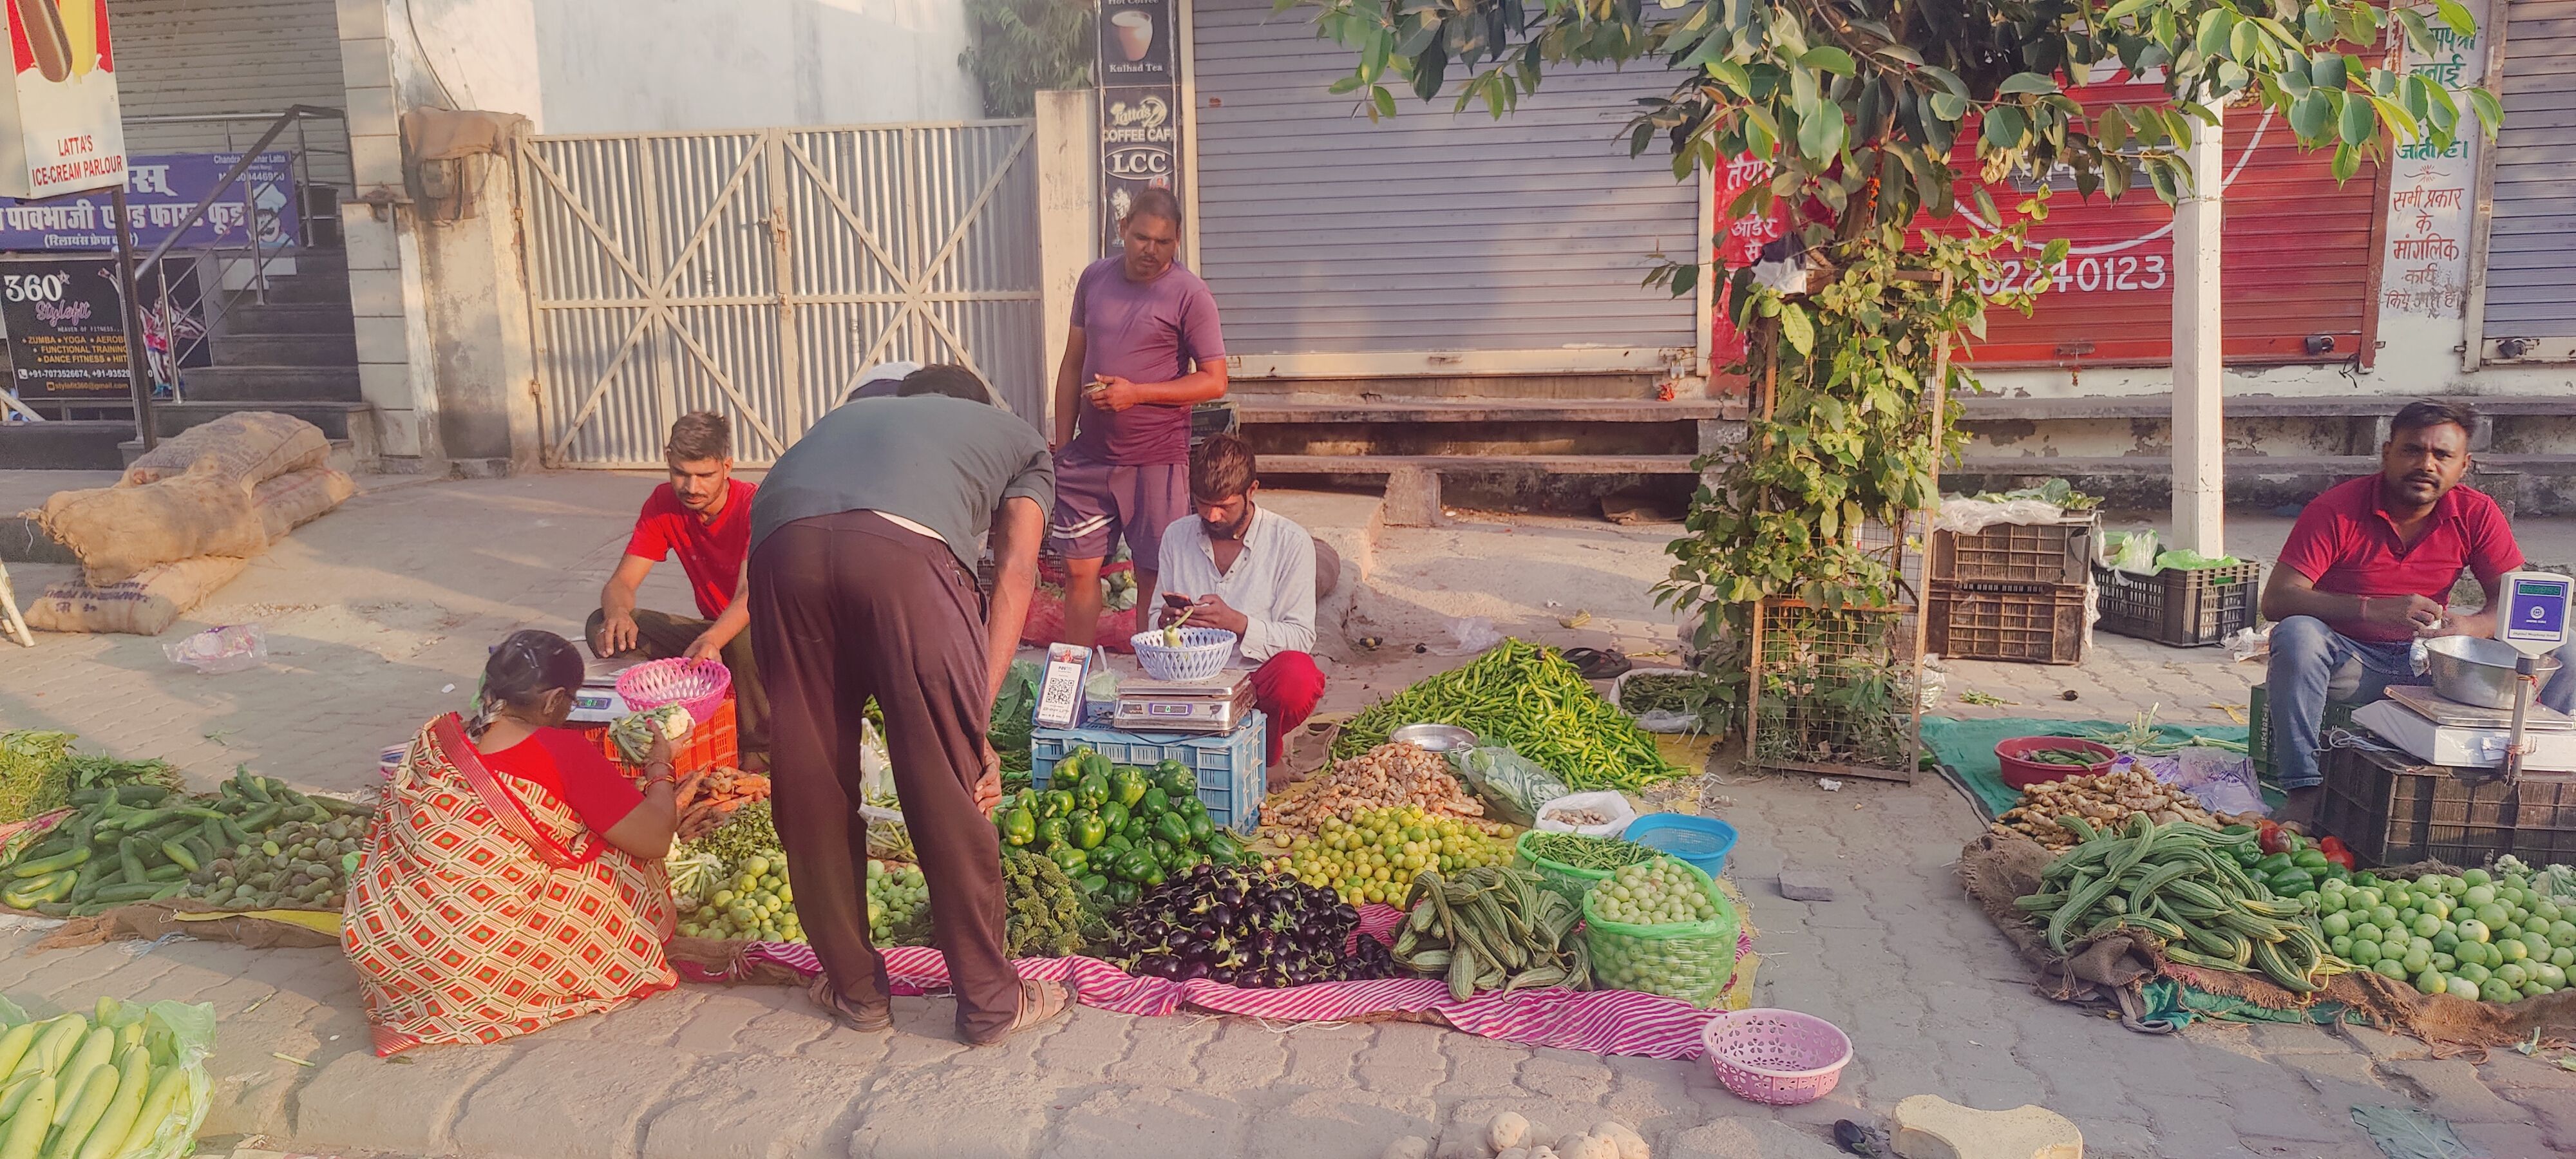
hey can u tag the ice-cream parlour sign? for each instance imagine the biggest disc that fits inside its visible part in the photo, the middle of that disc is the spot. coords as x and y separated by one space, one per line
60 129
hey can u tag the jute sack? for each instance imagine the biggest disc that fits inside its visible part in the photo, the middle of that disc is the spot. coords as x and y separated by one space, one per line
144 605
294 499
118 531
248 448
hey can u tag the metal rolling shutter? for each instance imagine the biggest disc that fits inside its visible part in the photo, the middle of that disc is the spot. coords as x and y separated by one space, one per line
1321 232
250 57
2530 265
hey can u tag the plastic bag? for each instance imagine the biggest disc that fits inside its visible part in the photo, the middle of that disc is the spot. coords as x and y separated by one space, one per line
1692 961
2185 559
1969 516
2249 643
231 648
1664 720
179 1035
1608 804
1512 786
1468 636
2133 552
876 770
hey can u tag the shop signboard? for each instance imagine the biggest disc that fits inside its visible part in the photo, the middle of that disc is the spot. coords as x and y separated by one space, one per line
66 333
160 190
2298 264
60 127
1140 115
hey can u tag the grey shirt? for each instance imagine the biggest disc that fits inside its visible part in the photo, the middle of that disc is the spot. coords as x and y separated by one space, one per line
944 463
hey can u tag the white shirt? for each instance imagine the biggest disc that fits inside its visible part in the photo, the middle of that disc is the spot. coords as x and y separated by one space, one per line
1272 583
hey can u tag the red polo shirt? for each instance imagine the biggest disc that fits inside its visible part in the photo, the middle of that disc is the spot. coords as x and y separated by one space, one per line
711 552
2346 544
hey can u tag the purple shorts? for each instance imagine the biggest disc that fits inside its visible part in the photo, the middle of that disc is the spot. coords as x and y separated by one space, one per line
1096 503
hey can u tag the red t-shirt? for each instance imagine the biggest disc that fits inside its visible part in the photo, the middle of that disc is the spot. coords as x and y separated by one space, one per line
2346 544
575 771
711 552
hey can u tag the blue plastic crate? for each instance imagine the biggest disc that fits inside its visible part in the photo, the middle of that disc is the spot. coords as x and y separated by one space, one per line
1232 775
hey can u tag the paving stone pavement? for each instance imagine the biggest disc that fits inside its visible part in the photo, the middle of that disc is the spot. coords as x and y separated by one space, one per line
380 606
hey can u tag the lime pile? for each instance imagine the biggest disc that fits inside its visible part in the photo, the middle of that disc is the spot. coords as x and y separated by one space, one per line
1656 893
2477 935
1373 856
757 904
898 903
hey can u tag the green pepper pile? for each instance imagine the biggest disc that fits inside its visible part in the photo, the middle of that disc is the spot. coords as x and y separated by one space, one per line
1530 698
1117 830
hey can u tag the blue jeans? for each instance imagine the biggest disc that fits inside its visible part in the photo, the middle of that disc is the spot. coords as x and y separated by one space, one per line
2309 658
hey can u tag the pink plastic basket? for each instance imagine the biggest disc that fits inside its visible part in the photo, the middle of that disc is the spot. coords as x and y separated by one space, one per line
696 685
1779 1057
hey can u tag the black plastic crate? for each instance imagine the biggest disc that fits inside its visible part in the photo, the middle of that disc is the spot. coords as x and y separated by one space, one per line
2022 553
2391 810
2186 608
2025 623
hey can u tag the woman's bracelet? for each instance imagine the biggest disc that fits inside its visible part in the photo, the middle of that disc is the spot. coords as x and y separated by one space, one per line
669 774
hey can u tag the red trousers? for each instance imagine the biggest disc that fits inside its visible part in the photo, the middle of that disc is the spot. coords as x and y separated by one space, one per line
1285 689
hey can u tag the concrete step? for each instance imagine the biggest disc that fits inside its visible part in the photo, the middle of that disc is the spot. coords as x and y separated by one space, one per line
1419 410
73 445
301 289
286 350
338 420
237 383
2238 466
315 261
1479 464
305 318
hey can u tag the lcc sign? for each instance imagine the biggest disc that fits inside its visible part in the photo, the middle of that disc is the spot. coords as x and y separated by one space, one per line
1140 116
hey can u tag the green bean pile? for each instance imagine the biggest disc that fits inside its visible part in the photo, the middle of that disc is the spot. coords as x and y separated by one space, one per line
1530 698
1584 852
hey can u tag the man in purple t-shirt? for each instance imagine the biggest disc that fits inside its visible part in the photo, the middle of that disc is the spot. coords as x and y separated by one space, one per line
1144 348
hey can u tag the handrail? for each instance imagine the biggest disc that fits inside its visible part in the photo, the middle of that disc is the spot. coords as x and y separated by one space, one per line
292 114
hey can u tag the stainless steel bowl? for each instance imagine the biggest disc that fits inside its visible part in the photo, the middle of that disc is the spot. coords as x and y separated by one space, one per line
1438 738
2477 671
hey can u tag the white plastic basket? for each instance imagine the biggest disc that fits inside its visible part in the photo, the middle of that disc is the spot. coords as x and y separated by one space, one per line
1202 654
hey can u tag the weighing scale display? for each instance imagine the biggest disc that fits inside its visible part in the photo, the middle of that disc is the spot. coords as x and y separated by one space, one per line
2536 611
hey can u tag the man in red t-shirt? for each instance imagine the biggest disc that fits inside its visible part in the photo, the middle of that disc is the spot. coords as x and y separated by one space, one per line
2367 571
704 515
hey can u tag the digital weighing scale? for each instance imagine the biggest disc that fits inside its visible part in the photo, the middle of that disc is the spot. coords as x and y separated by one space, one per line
1214 707
2533 621
2534 624
597 702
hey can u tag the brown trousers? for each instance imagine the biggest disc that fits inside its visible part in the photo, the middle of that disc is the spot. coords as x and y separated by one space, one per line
848 606
663 636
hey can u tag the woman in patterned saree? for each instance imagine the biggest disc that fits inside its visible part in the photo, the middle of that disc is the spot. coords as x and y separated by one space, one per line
514 877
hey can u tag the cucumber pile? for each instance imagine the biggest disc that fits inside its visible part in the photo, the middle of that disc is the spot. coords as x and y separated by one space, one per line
122 844
124 1083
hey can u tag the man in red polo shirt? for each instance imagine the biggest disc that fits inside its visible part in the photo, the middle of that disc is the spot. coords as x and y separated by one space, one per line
703 515
2367 571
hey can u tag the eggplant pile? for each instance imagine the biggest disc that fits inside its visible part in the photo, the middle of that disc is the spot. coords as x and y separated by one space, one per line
1241 927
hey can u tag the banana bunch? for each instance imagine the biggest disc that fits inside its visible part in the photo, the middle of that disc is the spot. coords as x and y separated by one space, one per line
1491 927
2181 883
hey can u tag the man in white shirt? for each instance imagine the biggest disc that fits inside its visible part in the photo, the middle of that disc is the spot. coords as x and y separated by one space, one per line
1250 571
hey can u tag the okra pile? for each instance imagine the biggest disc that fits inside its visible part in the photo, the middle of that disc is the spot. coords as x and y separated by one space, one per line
253 844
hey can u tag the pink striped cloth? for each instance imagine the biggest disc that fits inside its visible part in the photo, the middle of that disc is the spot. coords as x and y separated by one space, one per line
1594 1021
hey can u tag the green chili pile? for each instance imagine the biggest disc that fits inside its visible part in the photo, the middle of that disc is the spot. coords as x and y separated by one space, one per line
1530 698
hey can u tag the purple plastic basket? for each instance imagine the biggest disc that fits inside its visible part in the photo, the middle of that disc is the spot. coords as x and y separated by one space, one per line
1779 1057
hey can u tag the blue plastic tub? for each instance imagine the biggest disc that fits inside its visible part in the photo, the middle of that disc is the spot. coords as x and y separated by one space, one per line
1702 841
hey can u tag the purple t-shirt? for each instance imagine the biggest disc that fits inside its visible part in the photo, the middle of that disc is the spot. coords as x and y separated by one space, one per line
1144 332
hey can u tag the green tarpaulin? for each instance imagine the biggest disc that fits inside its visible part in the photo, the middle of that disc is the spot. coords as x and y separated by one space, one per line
1966 748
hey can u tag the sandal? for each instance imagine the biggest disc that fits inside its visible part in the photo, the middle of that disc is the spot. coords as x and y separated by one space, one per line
1040 1002
846 1012
1598 664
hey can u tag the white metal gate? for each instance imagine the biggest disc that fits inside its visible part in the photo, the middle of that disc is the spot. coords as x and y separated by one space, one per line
757 273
